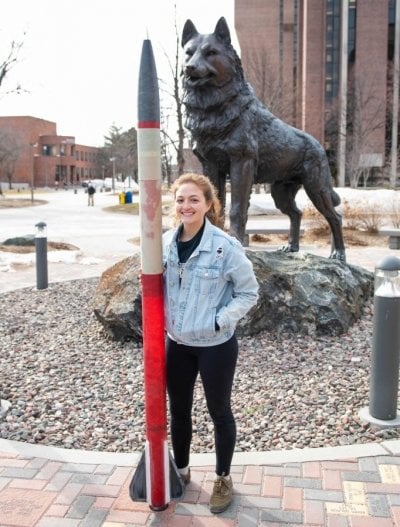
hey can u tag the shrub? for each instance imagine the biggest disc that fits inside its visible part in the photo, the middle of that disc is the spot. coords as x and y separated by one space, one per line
395 213
316 221
356 216
360 215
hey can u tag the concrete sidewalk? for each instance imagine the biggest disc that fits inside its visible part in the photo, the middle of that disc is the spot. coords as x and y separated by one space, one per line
351 486
104 238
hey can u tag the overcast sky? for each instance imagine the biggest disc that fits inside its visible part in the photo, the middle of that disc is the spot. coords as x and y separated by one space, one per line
80 59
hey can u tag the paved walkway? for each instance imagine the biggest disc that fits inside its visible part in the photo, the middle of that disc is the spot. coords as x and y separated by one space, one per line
354 486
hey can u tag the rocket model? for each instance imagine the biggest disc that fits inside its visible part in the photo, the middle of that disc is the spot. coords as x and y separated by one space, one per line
155 474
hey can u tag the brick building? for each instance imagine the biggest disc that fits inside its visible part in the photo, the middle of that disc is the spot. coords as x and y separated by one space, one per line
291 54
39 157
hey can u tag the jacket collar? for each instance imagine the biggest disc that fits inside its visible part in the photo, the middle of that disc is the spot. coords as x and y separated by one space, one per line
206 240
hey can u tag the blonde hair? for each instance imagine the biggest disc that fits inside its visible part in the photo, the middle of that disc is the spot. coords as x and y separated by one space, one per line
209 191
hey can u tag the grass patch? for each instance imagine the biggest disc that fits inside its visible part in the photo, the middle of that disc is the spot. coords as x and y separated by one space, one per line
24 249
126 208
17 203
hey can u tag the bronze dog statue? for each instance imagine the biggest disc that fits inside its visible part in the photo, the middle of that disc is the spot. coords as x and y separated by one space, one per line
234 135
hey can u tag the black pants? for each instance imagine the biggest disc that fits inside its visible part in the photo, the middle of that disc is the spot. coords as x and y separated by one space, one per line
216 365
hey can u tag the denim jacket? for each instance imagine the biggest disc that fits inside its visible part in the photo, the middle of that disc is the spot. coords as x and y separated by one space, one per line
218 285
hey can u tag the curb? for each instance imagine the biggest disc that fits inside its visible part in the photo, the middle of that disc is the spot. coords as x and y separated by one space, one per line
386 448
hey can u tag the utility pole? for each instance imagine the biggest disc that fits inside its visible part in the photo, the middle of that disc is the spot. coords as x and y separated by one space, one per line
32 164
395 113
113 174
343 93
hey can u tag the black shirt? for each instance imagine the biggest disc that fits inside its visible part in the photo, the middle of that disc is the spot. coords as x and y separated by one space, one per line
185 249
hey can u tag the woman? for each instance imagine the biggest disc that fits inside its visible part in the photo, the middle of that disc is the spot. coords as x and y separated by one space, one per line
209 286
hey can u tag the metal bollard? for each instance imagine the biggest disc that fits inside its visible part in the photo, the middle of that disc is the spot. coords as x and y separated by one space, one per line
384 380
41 255
386 340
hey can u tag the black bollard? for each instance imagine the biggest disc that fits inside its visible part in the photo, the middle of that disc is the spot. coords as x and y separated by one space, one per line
386 340
41 256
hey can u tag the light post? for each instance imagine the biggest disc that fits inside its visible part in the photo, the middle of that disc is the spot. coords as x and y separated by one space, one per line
41 255
382 411
113 173
32 145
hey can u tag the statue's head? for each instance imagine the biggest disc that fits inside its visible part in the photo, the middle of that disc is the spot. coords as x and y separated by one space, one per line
209 59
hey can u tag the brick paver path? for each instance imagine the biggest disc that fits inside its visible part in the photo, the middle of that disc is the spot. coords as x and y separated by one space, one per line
362 492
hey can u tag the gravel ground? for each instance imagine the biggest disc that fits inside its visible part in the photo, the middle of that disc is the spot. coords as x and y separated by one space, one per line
70 386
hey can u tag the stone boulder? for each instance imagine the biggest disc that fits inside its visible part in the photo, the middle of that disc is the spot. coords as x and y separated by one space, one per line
299 293
118 302
304 293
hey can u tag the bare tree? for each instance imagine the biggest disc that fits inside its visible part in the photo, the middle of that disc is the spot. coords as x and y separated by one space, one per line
9 152
165 144
267 82
176 142
367 112
8 63
364 119
392 130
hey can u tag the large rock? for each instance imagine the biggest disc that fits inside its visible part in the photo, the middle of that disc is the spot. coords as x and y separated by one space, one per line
299 293
304 293
118 302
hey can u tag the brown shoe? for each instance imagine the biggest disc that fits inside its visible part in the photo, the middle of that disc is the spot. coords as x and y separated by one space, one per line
221 496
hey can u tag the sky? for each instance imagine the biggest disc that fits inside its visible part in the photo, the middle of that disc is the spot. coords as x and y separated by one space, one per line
79 62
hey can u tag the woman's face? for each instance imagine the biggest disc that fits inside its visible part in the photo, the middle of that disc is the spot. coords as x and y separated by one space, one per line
191 205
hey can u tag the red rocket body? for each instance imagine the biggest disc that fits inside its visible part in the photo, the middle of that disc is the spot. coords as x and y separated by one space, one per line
150 201
156 478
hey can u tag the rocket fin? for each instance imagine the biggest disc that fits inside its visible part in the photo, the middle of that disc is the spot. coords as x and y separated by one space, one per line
138 487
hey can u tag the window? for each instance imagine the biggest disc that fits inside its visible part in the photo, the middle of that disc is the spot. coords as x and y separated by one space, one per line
332 49
392 24
352 30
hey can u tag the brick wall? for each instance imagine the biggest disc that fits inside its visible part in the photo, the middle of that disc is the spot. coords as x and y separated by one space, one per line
313 79
370 70
257 26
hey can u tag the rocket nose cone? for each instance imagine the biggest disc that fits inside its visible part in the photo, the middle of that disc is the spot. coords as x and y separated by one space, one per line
148 94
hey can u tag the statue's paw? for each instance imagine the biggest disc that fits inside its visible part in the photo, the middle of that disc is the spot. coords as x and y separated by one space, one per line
289 249
338 254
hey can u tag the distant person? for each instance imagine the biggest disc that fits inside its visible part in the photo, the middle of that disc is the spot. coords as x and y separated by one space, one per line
91 190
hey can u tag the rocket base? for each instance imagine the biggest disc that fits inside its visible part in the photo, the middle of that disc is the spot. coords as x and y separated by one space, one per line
138 487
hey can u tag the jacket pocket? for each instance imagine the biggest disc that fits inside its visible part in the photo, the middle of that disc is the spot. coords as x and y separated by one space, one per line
203 324
206 280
